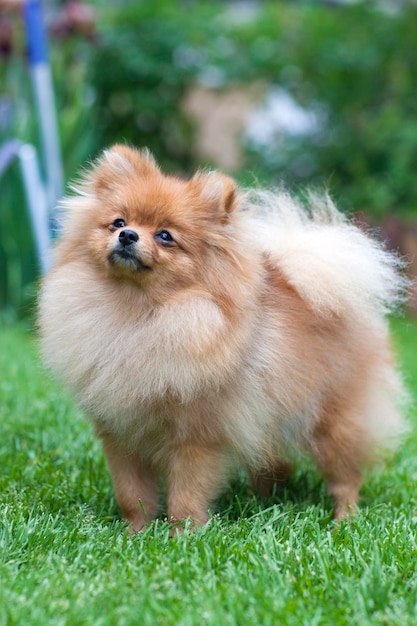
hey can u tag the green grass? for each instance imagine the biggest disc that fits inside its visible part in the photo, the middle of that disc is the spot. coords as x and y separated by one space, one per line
66 559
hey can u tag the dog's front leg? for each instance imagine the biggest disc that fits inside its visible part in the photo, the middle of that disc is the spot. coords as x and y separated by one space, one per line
134 484
195 475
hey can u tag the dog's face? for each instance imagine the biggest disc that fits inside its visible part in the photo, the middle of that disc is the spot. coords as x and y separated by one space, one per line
142 225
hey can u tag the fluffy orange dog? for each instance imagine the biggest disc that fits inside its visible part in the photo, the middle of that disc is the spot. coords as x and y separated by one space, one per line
203 329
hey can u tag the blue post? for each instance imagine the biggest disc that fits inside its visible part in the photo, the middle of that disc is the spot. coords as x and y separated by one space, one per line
35 35
44 98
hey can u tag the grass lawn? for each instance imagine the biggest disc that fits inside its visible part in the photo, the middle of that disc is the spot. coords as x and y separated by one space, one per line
65 557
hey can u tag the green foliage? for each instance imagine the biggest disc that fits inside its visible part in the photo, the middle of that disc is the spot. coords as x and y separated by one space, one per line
18 266
74 97
19 269
145 59
65 557
354 65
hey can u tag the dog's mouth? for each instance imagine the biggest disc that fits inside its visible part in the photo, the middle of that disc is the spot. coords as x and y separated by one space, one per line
127 259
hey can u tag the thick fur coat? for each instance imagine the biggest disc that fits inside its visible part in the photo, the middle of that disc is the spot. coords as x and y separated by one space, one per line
203 328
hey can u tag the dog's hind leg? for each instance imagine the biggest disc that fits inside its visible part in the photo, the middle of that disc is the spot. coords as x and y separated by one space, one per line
264 481
340 448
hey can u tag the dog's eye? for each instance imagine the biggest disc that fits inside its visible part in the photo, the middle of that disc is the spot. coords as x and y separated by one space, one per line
119 223
164 237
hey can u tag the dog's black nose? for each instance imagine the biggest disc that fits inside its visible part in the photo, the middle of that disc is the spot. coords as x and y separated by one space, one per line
126 237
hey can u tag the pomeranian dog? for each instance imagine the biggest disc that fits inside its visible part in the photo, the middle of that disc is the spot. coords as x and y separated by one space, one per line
205 328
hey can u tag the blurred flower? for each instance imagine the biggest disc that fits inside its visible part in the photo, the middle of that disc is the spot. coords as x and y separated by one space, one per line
8 10
11 5
5 37
280 114
75 18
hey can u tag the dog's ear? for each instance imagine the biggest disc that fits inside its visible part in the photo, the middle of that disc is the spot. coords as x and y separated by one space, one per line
219 193
120 162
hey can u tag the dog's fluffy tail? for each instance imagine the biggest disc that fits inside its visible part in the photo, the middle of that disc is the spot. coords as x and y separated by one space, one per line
331 263
339 270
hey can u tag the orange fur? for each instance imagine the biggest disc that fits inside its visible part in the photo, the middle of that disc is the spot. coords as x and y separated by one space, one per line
212 351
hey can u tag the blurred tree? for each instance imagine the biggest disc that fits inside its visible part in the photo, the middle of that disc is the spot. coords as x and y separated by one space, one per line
144 62
353 65
122 71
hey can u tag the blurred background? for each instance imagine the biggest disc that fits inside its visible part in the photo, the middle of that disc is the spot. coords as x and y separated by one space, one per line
294 92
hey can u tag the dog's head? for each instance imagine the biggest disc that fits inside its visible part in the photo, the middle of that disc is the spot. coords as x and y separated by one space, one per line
136 223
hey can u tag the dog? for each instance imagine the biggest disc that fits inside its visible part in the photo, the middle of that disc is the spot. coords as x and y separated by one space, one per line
205 328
